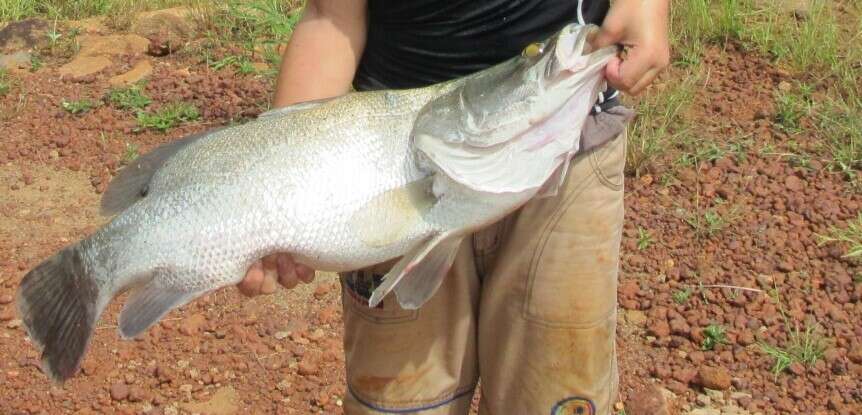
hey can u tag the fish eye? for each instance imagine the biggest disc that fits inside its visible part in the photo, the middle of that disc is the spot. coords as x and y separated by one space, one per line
533 49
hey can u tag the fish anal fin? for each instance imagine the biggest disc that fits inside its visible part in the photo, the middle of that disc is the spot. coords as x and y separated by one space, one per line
391 215
147 305
416 277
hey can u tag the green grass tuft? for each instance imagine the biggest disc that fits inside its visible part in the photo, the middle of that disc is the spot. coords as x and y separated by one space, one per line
79 106
130 153
681 296
169 116
805 347
644 239
130 98
660 124
711 222
713 335
851 236
5 83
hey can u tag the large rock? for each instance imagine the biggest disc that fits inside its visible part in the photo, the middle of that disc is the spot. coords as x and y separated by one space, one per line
175 25
141 70
15 61
91 26
112 45
84 65
23 35
96 53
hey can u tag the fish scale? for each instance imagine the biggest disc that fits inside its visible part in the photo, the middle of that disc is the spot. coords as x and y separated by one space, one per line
340 184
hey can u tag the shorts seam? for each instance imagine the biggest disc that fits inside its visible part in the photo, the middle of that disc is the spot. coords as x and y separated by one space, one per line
426 404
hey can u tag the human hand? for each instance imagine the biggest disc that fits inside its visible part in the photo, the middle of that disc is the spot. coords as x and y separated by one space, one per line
262 276
641 27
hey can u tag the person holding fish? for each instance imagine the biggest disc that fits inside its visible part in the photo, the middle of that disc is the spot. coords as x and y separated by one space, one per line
529 305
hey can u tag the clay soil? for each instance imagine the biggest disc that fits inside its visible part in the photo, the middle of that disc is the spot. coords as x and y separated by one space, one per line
283 353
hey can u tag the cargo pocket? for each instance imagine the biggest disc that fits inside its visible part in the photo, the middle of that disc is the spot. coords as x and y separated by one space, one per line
572 274
357 287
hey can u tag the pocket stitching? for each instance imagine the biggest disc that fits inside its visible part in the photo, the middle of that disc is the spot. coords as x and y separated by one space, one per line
544 237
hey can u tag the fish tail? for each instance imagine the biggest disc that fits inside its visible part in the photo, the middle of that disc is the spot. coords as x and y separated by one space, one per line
58 302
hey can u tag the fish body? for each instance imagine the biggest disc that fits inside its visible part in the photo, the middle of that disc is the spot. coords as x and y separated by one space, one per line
341 184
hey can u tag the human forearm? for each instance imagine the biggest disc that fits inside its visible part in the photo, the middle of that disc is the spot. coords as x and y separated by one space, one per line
323 53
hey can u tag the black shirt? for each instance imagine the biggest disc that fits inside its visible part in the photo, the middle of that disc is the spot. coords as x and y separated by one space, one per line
414 43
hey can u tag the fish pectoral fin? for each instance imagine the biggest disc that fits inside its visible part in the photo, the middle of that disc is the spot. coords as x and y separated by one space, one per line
416 277
392 214
132 182
147 305
553 184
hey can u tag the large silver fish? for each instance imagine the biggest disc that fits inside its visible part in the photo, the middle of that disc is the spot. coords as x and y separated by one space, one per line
342 184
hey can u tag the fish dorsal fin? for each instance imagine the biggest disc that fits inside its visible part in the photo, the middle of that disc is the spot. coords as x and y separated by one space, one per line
132 182
418 274
300 106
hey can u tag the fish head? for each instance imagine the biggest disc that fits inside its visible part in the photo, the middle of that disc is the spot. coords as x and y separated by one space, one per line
502 102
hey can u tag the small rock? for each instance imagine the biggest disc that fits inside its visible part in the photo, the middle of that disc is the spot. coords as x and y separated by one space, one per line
659 329
321 290
7 314
307 368
14 324
713 378
119 391
703 400
785 86
192 324
137 394
705 411
650 401
717 396
317 335
796 368
635 317
794 183
281 335
855 354
5 299
680 327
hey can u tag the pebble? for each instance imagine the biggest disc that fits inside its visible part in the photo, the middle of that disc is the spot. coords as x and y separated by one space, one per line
659 329
649 401
5 299
119 391
713 378
192 324
7 314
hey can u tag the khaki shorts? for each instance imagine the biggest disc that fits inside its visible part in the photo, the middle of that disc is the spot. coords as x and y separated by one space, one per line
529 306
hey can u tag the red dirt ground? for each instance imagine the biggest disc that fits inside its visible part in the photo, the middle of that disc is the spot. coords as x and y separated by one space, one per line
283 353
